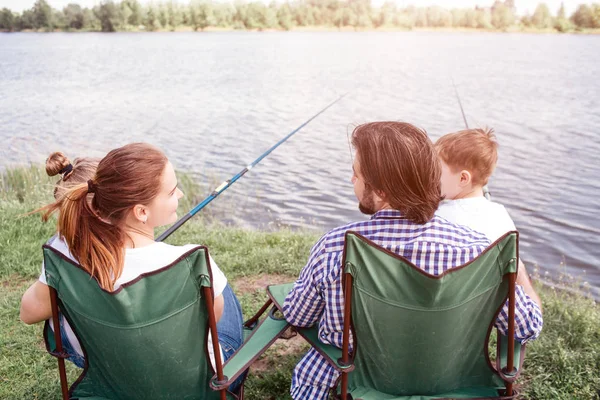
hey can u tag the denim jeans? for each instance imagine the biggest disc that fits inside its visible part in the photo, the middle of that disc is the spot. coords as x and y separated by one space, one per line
230 330
74 357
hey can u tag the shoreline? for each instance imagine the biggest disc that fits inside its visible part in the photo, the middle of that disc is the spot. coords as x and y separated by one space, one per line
327 29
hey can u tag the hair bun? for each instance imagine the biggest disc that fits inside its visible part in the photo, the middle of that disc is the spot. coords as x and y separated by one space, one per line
56 163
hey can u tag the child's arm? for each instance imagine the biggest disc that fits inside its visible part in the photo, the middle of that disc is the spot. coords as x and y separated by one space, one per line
35 304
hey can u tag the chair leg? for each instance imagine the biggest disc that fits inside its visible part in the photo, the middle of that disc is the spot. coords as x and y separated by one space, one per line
58 339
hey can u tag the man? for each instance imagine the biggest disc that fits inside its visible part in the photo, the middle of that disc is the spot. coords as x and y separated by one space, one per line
396 180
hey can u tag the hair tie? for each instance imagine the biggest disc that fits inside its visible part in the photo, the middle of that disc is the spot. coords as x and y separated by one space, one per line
66 171
91 187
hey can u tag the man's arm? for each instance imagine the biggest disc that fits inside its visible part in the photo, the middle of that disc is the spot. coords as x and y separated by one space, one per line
523 280
304 304
528 311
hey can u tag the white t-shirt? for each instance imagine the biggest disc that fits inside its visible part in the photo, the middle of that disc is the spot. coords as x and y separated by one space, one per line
479 214
137 262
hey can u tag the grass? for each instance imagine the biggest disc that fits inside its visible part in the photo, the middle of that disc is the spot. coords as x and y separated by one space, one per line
564 363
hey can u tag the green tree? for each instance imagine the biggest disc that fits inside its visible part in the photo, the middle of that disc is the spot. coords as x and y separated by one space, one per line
74 17
90 21
7 20
201 15
385 15
561 23
25 21
270 20
596 11
303 15
542 18
251 15
483 16
470 20
150 20
124 15
361 10
583 17
163 18
405 18
459 17
503 15
284 17
344 16
224 14
136 16
173 15
42 15
108 13
420 15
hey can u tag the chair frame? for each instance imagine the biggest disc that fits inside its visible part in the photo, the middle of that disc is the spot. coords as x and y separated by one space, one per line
347 286
61 355
219 382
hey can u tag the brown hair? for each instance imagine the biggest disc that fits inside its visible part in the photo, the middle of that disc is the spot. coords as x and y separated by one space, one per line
82 169
79 172
398 159
94 231
475 150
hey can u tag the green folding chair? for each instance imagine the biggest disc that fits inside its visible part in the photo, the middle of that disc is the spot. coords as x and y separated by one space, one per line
148 339
420 336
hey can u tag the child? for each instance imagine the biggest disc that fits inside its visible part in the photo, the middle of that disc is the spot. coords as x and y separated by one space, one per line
468 159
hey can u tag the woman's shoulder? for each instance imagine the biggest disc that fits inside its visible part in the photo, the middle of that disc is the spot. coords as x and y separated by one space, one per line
58 243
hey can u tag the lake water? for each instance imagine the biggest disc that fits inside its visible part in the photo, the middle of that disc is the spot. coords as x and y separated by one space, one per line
215 101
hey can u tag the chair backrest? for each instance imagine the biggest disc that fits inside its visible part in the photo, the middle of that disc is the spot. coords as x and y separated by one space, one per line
146 340
416 333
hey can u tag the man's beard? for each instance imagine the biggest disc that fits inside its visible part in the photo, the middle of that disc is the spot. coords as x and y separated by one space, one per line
367 205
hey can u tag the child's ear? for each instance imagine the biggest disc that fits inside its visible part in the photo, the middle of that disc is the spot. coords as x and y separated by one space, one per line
465 178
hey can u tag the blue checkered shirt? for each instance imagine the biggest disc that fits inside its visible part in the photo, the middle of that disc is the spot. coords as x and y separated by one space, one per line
317 295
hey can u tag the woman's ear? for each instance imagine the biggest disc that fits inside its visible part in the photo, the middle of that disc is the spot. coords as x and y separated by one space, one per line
465 178
140 213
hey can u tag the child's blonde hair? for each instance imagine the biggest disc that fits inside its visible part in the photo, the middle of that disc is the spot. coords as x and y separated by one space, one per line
475 150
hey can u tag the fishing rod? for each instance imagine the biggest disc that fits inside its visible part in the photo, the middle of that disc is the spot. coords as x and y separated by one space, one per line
486 191
460 104
226 184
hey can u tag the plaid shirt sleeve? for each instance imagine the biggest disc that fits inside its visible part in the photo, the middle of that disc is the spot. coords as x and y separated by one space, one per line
304 305
528 317
316 298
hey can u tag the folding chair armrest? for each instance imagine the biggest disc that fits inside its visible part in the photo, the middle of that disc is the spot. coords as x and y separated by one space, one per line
278 293
331 353
502 360
259 340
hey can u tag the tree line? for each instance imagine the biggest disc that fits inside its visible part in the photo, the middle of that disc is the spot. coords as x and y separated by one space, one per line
127 15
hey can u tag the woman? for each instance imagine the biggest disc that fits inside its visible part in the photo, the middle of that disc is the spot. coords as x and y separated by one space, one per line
133 192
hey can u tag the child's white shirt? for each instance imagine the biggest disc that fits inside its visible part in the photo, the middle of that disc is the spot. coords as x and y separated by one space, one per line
479 214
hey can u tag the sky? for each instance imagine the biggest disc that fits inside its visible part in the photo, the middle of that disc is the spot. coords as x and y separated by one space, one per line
523 6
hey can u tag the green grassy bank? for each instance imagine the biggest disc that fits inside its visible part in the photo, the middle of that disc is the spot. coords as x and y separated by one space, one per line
564 363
